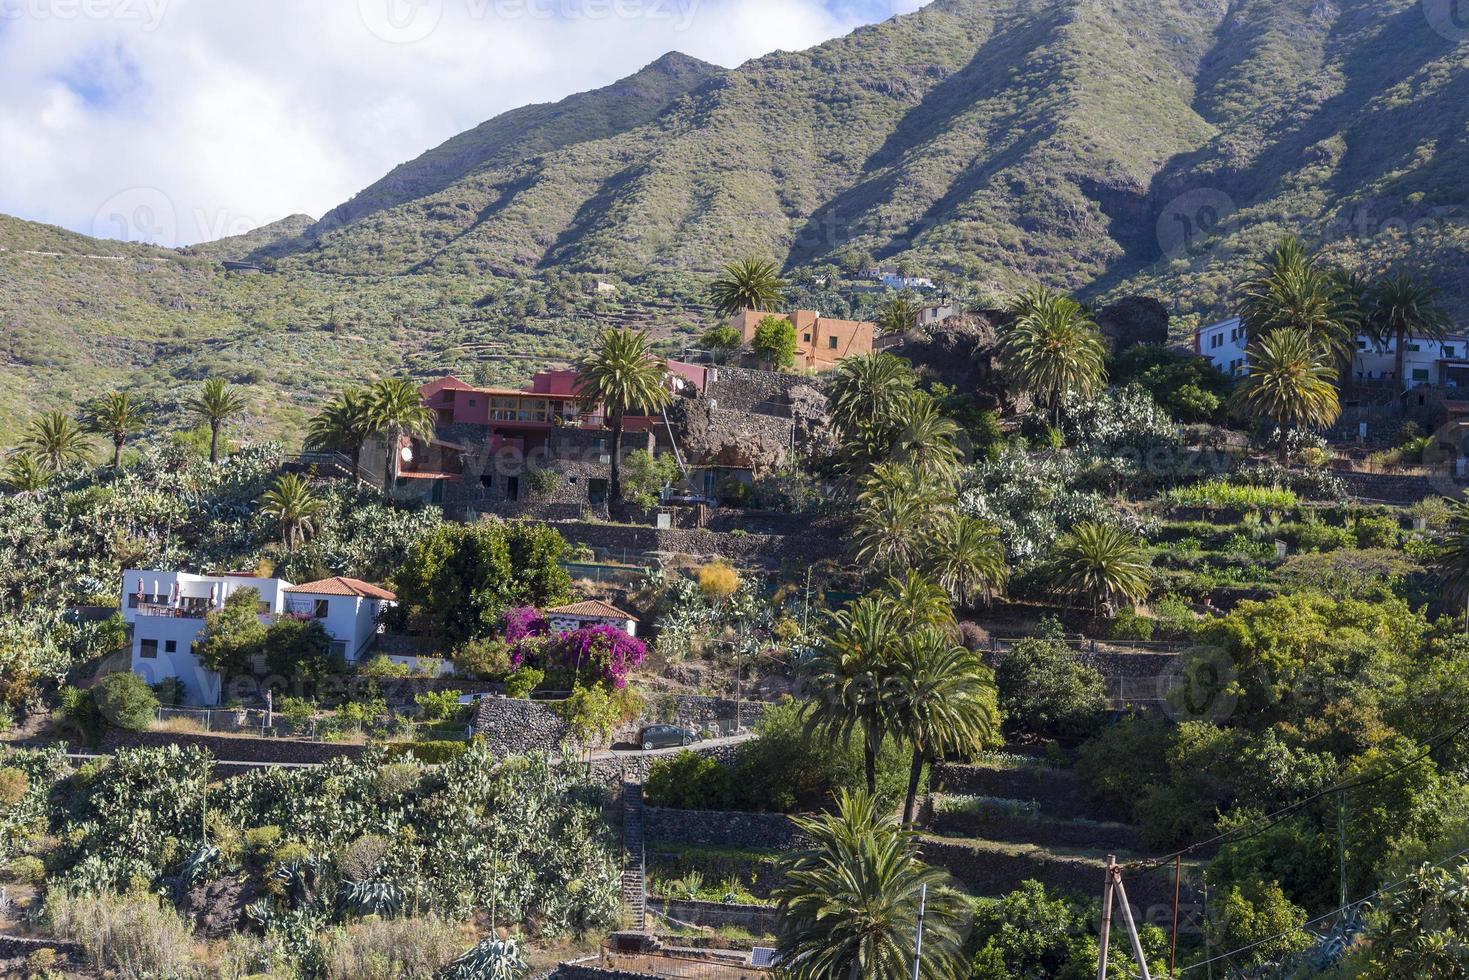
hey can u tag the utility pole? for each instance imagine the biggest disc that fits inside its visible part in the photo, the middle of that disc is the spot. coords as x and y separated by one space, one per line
918 945
1113 887
1177 885
1341 843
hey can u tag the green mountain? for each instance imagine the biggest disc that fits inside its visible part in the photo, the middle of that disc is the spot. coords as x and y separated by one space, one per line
1094 146
1101 147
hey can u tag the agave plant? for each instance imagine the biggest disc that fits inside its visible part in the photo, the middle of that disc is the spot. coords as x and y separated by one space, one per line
492 958
371 897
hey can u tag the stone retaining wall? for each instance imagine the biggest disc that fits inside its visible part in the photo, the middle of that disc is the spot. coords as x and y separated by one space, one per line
994 873
770 549
1394 488
1023 828
570 971
718 828
758 919
1058 791
225 748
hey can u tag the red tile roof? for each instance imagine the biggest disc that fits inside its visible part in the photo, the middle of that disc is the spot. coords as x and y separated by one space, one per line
341 585
591 609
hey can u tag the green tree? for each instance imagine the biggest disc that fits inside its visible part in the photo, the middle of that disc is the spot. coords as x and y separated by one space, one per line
942 699
233 634
967 558
749 284
27 473
869 391
397 411
1291 383
115 416
849 903
1053 349
645 474
295 505
345 423
56 438
721 343
846 678
623 376
775 341
1401 307
126 701
458 580
897 315
1453 557
1418 930
926 439
1257 915
1102 563
1288 289
592 714
216 402
896 514
298 648
1046 691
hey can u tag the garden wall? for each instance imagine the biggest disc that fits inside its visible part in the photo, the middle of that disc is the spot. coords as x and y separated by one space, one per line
1058 791
1391 487
995 872
773 549
758 919
512 725
718 828
226 748
1029 828
570 971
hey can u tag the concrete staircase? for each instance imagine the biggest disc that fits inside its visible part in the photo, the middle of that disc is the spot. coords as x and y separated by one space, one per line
634 863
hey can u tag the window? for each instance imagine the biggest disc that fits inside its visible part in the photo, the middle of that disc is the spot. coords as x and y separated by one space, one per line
806 337
1414 347
262 608
1217 340
471 403
504 409
148 649
487 479
169 646
1420 374
339 650
831 342
1450 351
1361 345
320 608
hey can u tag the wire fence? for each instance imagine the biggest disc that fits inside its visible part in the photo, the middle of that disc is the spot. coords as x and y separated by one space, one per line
686 968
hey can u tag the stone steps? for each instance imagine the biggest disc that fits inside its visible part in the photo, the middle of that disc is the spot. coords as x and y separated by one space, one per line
634 876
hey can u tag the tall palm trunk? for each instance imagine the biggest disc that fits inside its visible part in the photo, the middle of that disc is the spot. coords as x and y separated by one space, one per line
1400 360
357 460
117 454
214 441
614 490
871 742
1284 447
915 773
390 462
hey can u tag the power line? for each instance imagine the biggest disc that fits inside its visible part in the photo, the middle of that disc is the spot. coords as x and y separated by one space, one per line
1272 819
1320 918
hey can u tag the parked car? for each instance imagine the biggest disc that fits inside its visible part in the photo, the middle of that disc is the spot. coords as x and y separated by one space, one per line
666 736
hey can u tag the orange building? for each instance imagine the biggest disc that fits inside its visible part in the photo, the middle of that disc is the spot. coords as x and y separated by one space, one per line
820 341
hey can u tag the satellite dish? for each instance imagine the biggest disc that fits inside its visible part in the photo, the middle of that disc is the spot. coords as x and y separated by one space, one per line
406 454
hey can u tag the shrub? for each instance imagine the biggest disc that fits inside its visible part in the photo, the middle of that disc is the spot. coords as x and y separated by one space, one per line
973 636
523 681
544 481
438 705
1128 625
136 935
432 753
1316 535
775 341
26 870
298 648
386 949
1046 691
13 786
1377 532
688 781
126 701
260 844
1221 494
383 666
718 581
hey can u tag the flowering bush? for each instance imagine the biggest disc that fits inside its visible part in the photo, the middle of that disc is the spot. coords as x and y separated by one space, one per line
522 622
604 653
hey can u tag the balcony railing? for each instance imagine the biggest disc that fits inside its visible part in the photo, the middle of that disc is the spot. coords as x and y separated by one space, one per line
185 610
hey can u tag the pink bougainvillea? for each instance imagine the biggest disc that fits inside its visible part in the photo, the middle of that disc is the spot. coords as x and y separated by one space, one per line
524 621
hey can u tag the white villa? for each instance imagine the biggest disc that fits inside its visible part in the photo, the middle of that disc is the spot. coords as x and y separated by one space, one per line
1444 363
592 612
165 611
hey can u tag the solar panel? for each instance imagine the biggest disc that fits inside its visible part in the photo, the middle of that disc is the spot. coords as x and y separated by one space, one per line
762 956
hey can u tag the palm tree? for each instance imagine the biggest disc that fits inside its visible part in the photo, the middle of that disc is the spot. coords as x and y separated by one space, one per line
292 502
943 699
27 473
849 903
1101 562
397 410
916 602
847 676
56 439
1403 307
925 439
623 376
1290 383
1053 349
216 402
868 390
1289 289
749 284
345 422
966 557
115 416
897 315
1453 558
896 511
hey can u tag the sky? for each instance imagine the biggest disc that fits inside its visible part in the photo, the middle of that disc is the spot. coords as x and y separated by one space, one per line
179 121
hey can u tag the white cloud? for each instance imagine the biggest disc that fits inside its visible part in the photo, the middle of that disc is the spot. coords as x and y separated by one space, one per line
183 120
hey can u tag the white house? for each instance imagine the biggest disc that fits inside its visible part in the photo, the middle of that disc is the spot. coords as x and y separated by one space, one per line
936 313
1425 362
592 612
166 610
